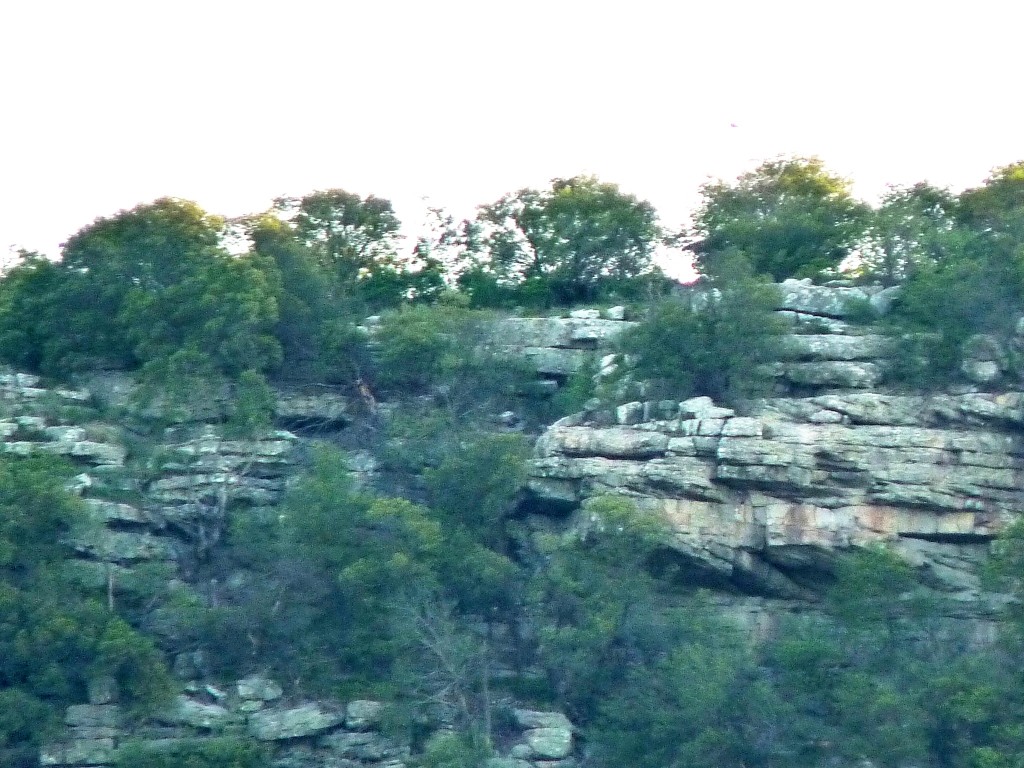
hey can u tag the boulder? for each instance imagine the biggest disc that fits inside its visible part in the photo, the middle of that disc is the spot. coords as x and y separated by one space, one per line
307 720
825 301
93 715
258 688
366 746
78 752
549 743
529 718
195 714
844 374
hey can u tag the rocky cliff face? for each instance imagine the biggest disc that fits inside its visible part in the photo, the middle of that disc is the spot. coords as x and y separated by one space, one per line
760 502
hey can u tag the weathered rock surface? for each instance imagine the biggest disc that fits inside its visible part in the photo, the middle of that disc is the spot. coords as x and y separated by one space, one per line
301 409
753 500
307 720
826 350
187 711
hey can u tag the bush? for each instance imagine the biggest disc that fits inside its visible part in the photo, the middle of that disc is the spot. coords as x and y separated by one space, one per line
710 342
943 306
198 753
443 350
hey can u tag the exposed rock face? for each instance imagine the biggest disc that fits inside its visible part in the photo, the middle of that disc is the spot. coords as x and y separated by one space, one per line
753 501
307 720
299 736
826 351
557 346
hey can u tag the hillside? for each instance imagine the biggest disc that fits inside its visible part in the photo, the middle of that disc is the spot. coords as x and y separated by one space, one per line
746 522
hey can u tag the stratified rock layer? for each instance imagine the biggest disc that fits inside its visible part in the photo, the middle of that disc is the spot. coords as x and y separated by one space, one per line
754 500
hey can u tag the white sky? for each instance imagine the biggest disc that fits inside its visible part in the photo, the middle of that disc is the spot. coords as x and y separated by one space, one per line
106 104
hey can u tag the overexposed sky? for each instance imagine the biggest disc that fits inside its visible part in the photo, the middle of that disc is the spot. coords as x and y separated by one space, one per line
105 104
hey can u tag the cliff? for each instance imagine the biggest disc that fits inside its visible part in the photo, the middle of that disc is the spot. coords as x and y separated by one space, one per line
759 501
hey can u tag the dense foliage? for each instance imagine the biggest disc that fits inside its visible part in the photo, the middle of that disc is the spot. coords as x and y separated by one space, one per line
790 216
712 340
575 242
54 637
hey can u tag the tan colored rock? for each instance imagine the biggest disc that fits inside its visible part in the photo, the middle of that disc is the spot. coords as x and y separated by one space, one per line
786 487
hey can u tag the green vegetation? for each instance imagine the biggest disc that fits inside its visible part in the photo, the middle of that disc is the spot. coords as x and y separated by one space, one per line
790 216
205 753
54 638
437 595
712 341
579 241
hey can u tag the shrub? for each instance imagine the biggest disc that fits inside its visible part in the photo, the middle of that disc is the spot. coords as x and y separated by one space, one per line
196 753
710 342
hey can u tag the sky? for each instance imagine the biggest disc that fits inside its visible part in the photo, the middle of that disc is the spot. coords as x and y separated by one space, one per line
107 104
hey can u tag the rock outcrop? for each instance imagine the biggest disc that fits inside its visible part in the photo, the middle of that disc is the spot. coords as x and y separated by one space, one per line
299 735
759 502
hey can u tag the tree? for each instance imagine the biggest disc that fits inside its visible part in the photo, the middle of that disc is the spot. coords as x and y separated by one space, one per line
913 228
138 287
578 239
997 206
349 235
711 342
53 636
790 216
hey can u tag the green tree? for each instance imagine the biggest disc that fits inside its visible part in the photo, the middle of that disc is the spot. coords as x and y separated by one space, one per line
445 348
711 342
28 330
53 637
997 206
128 257
475 484
134 289
350 235
577 240
594 605
913 228
791 216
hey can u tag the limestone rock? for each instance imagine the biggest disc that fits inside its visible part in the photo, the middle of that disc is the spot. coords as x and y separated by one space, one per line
748 497
802 296
507 762
258 688
529 718
312 409
78 752
307 720
831 373
361 745
195 714
549 743
835 347
122 546
93 715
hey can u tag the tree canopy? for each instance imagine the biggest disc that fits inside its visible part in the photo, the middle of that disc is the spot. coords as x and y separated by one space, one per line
577 239
791 216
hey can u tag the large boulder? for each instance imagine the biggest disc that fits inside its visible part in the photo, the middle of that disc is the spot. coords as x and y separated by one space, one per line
307 720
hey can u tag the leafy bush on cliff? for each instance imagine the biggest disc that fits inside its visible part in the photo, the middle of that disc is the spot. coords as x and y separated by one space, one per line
53 637
205 753
711 341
